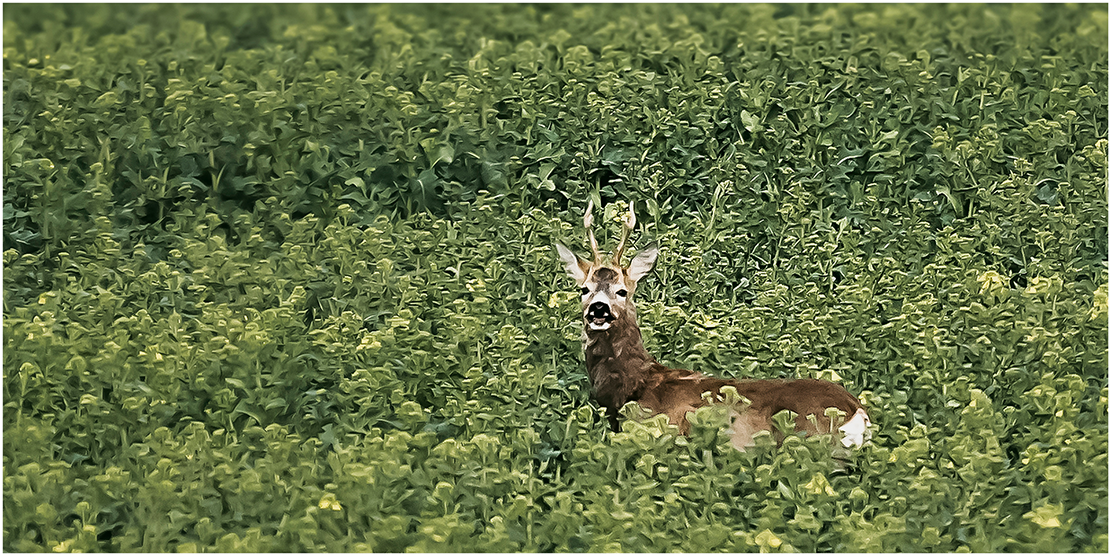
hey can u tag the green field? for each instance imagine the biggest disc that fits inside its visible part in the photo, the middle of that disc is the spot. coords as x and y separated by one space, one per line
280 277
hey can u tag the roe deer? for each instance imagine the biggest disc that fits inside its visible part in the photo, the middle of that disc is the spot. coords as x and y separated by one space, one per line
622 371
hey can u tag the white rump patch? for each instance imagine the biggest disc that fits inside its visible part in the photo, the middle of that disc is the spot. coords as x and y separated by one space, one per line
855 430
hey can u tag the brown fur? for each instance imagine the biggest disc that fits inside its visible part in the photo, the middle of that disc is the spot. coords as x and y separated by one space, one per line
622 371
636 376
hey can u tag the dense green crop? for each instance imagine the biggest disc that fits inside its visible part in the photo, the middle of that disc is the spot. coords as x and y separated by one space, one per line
280 277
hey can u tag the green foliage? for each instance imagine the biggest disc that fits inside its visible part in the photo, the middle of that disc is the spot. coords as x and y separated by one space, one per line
279 277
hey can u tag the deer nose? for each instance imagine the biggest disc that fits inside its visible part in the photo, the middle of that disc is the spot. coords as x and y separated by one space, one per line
598 310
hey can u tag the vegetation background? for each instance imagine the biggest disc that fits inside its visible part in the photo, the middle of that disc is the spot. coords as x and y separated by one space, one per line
280 277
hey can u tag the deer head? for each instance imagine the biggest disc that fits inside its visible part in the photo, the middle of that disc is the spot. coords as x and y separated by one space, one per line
607 287
621 370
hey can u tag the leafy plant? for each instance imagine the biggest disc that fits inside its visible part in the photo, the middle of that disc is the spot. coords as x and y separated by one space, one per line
279 277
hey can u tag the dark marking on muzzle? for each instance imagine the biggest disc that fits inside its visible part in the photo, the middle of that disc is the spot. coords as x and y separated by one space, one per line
599 313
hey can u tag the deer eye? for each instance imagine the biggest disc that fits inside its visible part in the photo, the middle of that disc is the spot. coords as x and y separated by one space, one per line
622 293
585 290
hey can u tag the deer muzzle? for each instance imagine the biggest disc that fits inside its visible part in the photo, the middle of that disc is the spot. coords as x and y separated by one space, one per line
598 316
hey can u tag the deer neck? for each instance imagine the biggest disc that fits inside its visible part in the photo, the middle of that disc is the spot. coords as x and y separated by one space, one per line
617 362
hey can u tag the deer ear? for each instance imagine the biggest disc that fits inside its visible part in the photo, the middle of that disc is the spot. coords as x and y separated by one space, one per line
575 267
642 263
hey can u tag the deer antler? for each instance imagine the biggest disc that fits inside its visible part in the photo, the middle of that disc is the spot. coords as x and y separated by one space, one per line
630 223
588 220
